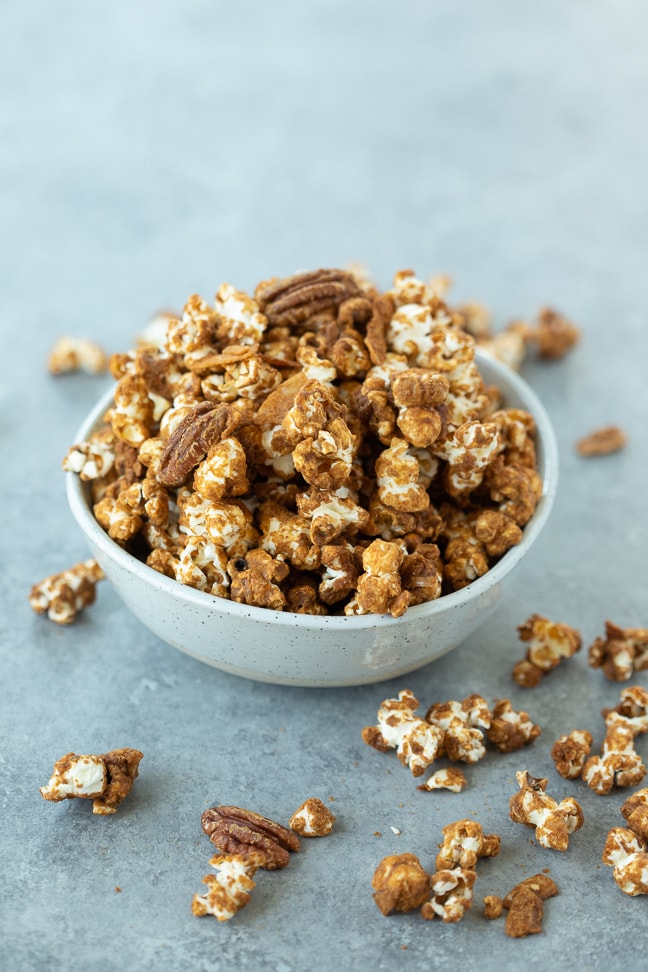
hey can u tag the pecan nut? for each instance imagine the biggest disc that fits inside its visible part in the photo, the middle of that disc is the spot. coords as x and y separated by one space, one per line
234 830
292 301
196 433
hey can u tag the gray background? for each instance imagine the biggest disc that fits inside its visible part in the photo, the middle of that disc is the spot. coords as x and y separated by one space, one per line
152 150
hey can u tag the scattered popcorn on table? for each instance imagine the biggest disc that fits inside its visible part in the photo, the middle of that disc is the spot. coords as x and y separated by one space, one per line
462 724
451 894
64 595
312 819
635 811
417 743
541 884
620 653
510 730
549 643
76 354
105 779
400 883
229 889
463 843
602 442
493 907
627 853
554 822
525 914
350 430
445 779
570 753
619 764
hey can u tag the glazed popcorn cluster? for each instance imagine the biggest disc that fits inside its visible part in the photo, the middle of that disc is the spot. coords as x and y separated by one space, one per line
457 730
318 448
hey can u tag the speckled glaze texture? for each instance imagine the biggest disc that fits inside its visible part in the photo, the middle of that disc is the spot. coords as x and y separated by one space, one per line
292 649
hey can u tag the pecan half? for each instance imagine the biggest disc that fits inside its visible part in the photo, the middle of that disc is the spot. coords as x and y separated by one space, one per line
199 430
295 299
234 830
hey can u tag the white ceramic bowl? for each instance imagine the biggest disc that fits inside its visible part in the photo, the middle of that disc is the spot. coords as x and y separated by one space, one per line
307 650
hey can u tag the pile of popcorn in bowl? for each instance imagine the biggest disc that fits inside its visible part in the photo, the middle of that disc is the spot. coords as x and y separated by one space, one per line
319 448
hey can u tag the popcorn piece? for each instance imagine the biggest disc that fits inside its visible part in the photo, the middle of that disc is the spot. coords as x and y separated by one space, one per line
445 779
106 779
257 582
468 450
570 753
64 595
339 572
627 853
379 588
132 413
312 819
76 776
525 914
553 334
463 843
223 471
229 889
554 822
422 573
510 730
496 532
417 743
400 883
462 724
493 907
549 643
120 514
635 811
91 460
464 555
397 478
451 894
541 884
239 319
619 764
509 345
632 710
75 354
602 442
620 653
331 513
517 489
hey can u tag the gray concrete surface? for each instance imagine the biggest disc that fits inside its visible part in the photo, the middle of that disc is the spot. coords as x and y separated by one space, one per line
153 150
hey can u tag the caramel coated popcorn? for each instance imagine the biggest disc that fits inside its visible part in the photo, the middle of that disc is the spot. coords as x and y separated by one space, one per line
76 354
417 743
454 729
62 596
229 889
318 447
312 819
553 822
105 779
400 883
549 643
620 653
464 842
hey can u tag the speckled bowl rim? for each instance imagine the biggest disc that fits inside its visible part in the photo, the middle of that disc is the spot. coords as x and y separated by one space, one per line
509 382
